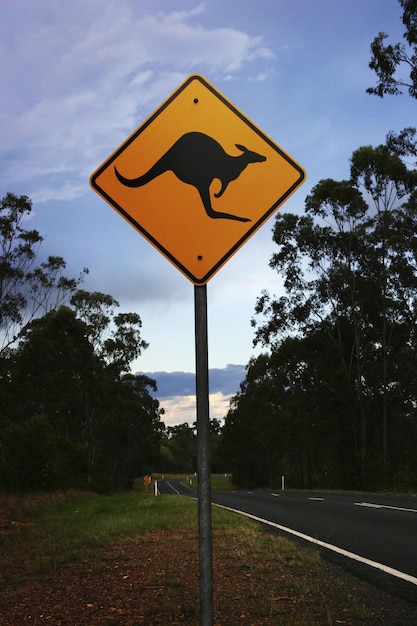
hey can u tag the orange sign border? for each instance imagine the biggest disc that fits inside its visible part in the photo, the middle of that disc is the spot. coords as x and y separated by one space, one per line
125 214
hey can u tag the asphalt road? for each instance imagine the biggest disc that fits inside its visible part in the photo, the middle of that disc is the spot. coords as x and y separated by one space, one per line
372 535
176 486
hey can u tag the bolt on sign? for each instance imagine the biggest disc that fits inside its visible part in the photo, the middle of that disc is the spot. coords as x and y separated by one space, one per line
197 179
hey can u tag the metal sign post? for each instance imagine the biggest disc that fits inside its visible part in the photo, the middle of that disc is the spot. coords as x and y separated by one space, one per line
203 457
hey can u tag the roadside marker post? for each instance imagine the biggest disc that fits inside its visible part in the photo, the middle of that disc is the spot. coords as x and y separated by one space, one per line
197 179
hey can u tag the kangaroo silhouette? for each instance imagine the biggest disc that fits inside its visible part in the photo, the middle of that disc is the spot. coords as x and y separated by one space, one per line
197 159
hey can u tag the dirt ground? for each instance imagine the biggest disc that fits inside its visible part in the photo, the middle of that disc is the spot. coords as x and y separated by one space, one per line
154 580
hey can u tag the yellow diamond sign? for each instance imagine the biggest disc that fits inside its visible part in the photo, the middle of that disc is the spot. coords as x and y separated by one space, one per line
197 179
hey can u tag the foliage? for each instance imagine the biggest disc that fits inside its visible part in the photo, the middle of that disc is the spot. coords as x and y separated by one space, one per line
88 404
27 290
105 426
333 401
33 447
179 448
129 437
116 338
70 413
388 59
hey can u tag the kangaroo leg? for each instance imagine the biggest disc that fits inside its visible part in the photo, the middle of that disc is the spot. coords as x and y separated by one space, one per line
222 190
205 197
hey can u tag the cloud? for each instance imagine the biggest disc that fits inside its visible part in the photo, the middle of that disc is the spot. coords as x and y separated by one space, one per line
221 380
89 74
226 380
178 410
176 393
182 409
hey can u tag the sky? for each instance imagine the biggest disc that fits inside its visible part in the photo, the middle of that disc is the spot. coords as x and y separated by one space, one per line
78 77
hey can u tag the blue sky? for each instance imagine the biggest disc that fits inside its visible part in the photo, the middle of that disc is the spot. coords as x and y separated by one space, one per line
78 77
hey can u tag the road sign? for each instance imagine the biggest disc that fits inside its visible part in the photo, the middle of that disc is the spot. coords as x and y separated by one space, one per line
197 179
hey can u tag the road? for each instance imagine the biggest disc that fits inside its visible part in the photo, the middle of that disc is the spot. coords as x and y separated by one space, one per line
176 486
373 535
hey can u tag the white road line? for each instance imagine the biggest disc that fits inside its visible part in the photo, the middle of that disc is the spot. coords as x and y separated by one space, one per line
320 499
173 488
350 555
384 506
187 486
276 495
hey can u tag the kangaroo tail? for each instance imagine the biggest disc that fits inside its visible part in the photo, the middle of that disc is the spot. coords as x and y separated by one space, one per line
135 182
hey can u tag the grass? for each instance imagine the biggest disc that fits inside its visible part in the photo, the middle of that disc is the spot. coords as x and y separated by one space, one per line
279 580
63 528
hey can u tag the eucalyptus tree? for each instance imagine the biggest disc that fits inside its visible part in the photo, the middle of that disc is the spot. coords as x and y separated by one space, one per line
116 337
396 64
277 424
66 370
54 377
128 438
28 288
350 278
180 444
249 438
106 423
117 341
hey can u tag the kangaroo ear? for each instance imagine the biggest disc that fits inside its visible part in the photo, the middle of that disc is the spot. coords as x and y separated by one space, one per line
242 148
